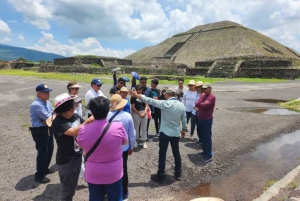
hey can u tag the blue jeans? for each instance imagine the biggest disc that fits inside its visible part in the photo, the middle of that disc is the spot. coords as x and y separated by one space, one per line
114 191
43 137
163 147
205 128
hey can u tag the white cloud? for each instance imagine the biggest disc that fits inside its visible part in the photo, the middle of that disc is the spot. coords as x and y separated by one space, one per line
156 20
88 46
36 12
4 28
21 38
5 40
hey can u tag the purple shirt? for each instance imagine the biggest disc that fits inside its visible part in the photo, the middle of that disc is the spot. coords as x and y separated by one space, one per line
105 164
206 104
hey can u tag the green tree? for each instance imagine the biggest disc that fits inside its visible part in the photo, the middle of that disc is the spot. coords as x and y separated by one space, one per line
21 59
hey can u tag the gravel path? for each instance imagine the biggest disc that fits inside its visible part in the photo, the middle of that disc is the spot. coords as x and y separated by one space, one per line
234 133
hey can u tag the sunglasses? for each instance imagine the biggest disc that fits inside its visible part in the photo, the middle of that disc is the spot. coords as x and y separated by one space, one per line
122 83
75 88
143 82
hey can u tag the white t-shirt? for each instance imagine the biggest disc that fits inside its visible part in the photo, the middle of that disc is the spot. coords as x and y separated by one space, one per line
188 100
92 94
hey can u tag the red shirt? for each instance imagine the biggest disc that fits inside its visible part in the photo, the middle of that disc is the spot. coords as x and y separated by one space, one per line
206 105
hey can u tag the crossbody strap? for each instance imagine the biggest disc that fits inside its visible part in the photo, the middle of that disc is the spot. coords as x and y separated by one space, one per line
100 138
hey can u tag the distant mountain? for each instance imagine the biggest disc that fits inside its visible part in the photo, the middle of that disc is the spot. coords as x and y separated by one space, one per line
13 53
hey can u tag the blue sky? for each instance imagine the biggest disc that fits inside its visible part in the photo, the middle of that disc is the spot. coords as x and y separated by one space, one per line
119 28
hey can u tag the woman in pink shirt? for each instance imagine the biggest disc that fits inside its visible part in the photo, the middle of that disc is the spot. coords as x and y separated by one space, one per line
104 167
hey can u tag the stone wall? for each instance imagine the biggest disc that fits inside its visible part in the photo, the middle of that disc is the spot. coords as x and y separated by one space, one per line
102 61
196 71
15 65
269 73
203 64
107 70
267 63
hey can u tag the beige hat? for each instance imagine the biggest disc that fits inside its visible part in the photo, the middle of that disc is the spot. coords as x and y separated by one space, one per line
124 89
117 102
75 86
170 91
62 98
192 82
199 83
50 119
206 85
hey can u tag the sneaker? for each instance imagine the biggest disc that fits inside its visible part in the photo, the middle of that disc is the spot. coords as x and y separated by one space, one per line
45 180
178 177
198 142
145 145
148 139
202 153
157 178
207 159
191 137
85 184
157 135
50 171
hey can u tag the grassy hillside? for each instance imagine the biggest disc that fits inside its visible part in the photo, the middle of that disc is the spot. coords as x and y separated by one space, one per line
13 53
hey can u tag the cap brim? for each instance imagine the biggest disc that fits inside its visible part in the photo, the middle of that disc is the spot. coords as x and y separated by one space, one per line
77 100
75 86
46 90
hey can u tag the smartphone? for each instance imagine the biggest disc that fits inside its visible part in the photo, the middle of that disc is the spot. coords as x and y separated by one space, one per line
133 89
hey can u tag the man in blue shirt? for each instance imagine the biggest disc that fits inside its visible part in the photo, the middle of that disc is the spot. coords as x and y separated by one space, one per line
172 112
40 110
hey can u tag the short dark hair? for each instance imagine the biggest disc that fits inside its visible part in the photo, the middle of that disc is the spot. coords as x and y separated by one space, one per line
70 84
143 78
120 79
180 79
65 107
155 81
99 107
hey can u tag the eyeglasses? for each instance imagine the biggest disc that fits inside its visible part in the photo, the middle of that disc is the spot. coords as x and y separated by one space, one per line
75 88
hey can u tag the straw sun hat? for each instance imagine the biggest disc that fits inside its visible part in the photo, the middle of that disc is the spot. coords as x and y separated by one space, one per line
58 101
117 102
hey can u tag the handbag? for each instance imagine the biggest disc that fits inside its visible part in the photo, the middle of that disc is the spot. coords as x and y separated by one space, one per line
100 138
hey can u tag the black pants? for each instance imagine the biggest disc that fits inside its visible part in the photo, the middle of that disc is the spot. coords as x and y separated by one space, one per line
163 147
156 117
188 116
44 144
125 174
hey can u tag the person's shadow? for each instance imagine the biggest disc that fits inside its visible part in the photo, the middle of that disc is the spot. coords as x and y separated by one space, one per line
26 183
51 193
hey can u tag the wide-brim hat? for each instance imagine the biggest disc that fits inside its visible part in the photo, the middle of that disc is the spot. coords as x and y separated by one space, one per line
75 86
117 102
62 98
206 85
50 119
199 83
192 82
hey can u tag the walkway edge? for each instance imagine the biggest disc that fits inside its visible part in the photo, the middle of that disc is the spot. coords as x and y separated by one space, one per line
275 188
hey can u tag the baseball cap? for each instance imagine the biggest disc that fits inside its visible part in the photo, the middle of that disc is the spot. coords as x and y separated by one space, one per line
96 81
206 85
42 88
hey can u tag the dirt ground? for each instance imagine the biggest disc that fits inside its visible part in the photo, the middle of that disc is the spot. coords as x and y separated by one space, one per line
234 133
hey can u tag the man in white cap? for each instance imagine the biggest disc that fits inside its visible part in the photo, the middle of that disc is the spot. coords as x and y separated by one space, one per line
40 110
172 112
206 105
93 92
